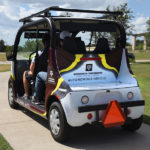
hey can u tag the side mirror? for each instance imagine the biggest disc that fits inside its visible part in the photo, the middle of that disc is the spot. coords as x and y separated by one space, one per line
9 54
131 57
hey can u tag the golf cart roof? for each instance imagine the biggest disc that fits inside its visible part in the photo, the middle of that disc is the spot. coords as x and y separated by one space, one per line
47 13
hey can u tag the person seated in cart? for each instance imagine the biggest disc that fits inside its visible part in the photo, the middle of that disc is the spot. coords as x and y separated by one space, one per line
29 74
42 76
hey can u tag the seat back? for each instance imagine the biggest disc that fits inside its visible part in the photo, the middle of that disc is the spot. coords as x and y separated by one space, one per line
102 46
80 45
69 45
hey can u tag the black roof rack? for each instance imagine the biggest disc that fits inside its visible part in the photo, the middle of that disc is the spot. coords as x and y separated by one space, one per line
107 17
46 13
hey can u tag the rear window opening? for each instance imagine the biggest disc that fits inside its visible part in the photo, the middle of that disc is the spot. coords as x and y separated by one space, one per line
91 36
89 55
100 42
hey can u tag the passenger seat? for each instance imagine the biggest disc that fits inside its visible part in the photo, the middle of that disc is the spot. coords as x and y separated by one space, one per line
102 46
69 45
80 46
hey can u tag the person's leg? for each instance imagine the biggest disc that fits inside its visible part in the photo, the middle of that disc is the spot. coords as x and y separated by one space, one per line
40 85
25 84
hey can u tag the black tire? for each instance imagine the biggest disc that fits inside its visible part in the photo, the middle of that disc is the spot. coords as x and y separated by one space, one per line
134 124
11 96
63 132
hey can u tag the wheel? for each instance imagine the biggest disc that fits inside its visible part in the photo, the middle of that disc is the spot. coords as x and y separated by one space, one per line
11 97
134 124
57 122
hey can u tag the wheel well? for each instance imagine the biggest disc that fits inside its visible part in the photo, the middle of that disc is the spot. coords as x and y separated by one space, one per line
50 100
9 81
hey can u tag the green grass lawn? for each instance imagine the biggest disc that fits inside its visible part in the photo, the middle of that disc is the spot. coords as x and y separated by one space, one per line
2 57
4 145
142 72
4 67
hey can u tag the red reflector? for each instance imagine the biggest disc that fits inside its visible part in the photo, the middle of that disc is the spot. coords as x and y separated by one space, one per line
113 115
89 116
92 58
57 97
128 111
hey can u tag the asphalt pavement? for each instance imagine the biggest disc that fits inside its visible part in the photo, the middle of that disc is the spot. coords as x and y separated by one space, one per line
27 131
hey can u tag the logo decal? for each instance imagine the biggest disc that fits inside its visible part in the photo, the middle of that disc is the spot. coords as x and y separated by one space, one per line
88 67
51 79
51 73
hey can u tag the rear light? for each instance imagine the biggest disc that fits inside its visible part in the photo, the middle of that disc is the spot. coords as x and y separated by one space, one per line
89 116
128 111
85 99
130 95
58 97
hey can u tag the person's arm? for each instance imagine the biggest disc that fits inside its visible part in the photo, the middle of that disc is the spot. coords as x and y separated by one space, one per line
32 66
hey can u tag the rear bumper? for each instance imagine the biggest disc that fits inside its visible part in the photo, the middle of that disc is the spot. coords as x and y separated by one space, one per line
77 113
104 106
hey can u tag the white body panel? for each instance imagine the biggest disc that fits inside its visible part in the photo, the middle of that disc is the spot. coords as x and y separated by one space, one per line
100 86
98 94
73 100
81 76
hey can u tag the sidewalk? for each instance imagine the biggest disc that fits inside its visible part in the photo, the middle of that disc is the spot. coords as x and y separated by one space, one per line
22 129
5 62
142 60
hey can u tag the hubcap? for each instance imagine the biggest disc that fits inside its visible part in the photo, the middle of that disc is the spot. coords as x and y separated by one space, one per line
10 95
54 121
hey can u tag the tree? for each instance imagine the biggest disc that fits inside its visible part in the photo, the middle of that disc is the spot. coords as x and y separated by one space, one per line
148 30
2 46
139 42
148 24
31 46
9 48
125 18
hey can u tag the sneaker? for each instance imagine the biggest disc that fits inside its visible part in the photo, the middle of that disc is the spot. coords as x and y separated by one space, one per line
35 101
26 97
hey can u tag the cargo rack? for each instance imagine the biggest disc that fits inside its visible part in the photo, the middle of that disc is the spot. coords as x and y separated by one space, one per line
47 13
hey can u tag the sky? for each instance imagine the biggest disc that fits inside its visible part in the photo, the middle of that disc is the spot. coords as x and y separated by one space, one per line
12 10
